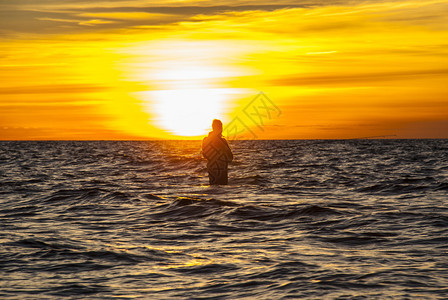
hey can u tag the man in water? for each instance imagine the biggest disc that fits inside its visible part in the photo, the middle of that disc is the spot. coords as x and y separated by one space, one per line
218 154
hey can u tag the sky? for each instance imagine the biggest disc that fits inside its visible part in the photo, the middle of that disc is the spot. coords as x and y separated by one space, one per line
106 70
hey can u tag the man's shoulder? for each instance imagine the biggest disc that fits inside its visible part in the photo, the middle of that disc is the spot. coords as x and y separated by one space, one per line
206 141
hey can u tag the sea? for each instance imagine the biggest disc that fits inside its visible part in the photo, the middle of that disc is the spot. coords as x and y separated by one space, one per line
300 219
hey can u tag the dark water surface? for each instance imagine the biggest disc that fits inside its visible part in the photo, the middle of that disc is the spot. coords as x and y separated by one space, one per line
299 219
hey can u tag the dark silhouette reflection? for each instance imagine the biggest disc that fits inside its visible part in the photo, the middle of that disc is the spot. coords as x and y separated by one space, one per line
218 154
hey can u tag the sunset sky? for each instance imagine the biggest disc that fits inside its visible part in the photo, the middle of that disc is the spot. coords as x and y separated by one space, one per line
104 70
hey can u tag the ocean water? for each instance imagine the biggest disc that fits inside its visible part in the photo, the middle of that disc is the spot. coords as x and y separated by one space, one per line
343 219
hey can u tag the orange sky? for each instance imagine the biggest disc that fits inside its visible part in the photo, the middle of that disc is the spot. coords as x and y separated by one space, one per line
133 70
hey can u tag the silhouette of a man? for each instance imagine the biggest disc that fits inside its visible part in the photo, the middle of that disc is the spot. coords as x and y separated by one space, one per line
218 154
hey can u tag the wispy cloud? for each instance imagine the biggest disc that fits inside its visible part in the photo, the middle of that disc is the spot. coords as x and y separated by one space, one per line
350 79
56 17
51 89
53 17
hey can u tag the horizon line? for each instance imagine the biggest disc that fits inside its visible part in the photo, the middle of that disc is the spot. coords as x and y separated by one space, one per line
230 140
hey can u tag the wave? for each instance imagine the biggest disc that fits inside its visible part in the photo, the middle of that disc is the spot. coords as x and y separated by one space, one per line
402 186
251 180
184 208
61 253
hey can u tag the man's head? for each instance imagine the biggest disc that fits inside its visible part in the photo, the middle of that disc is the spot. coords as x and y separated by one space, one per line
217 126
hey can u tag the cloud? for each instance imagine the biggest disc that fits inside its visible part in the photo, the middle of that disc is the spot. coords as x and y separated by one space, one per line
349 79
49 16
22 19
56 17
51 89
125 15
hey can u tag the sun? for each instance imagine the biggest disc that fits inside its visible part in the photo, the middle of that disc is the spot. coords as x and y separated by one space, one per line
187 112
188 85
190 102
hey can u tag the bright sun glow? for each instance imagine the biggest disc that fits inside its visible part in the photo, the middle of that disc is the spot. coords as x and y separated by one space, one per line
187 112
187 91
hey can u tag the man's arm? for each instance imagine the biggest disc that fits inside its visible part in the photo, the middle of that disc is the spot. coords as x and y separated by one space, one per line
204 146
228 151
